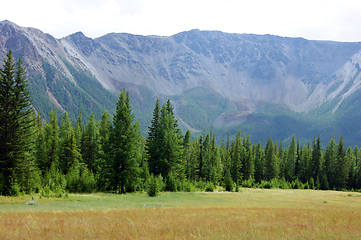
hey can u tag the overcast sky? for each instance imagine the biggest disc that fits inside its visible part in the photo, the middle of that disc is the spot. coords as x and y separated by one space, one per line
311 19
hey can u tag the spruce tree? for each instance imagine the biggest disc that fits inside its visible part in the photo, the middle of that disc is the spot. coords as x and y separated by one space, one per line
103 166
271 162
291 160
236 167
66 127
152 139
15 124
259 163
316 158
341 165
89 145
170 143
124 139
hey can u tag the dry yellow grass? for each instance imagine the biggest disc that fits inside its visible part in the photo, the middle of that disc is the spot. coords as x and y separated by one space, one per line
255 214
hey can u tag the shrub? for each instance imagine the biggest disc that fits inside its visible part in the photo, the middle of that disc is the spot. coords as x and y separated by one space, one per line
15 189
187 186
87 181
35 181
201 185
311 183
152 186
265 184
170 183
209 187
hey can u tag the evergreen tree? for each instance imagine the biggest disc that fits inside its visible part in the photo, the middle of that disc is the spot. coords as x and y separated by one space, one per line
259 163
102 165
271 162
341 165
170 143
152 139
78 130
70 153
51 142
298 160
236 168
330 163
41 151
248 159
124 138
89 145
187 162
228 183
65 129
291 159
316 158
15 124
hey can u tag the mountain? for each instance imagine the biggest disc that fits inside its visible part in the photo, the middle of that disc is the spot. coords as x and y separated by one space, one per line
269 85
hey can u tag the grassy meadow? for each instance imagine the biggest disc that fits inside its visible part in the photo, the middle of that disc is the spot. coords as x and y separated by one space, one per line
251 213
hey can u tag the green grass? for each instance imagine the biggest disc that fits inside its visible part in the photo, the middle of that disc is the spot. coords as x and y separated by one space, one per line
248 198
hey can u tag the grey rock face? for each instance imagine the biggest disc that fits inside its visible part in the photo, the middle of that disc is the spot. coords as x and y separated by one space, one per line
300 73
237 66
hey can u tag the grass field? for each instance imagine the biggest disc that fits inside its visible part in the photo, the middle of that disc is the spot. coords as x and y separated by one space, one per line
252 213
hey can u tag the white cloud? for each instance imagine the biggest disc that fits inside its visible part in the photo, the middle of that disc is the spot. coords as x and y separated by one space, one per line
312 19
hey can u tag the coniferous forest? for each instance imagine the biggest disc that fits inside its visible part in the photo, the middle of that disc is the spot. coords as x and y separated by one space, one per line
56 157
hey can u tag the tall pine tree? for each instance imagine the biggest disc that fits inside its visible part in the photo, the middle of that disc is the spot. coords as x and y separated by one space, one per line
15 124
124 139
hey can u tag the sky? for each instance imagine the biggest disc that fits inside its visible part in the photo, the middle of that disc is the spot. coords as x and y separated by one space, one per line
310 19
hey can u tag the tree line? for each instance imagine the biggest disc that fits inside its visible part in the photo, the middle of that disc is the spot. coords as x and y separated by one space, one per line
111 154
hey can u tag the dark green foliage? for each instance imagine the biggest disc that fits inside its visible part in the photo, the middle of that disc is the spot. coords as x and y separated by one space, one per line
324 183
16 124
209 187
87 95
152 141
124 136
236 167
170 183
80 179
271 161
114 157
89 145
228 182
165 142
153 186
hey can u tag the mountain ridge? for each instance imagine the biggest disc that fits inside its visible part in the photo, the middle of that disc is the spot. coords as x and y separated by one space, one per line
234 75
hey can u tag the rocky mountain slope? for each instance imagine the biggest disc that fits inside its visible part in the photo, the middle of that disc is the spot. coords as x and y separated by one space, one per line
213 78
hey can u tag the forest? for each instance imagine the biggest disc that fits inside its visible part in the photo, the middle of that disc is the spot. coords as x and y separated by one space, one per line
56 157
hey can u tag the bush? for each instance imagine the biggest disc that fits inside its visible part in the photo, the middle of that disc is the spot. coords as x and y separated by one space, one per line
265 184
187 186
152 186
201 185
80 179
209 187
35 181
248 183
311 183
87 181
170 183
283 184
15 189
